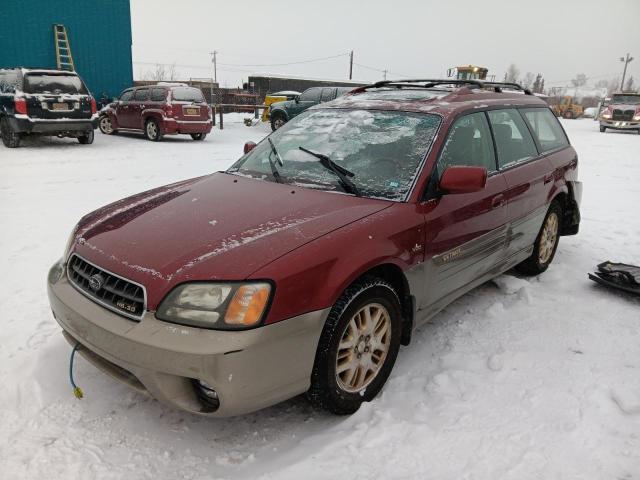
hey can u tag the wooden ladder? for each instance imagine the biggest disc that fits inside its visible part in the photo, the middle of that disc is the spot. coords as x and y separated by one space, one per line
64 60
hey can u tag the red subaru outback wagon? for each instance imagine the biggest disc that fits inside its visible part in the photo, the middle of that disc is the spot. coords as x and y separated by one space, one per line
158 110
305 265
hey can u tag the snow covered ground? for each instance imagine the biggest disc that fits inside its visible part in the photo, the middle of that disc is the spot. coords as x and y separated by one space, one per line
521 378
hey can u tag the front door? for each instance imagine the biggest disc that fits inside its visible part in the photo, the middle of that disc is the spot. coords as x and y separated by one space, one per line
465 233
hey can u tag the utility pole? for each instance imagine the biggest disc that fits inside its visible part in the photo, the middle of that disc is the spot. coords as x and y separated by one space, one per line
214 59
351 65
626 61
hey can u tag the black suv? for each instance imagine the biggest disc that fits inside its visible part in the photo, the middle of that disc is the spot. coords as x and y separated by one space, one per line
45 102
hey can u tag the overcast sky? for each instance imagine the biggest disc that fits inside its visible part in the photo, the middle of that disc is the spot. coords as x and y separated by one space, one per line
558 38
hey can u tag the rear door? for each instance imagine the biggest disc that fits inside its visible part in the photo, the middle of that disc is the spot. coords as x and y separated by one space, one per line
529 177
466 233
188 104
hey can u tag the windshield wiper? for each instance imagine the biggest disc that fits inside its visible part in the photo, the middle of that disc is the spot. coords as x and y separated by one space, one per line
274 169
342 173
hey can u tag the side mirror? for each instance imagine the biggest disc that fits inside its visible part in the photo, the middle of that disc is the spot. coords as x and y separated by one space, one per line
462 179
249 146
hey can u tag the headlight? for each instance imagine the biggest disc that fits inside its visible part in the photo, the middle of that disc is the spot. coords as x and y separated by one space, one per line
606 115
221 306
70 242
636 117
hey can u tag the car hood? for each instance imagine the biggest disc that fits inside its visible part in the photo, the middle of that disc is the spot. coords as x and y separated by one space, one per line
283 104
218 227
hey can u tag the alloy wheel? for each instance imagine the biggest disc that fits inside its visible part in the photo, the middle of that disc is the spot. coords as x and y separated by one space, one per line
548 238
105 125
363 347
152 130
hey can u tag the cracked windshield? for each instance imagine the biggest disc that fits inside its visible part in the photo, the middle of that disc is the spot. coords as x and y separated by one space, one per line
362 152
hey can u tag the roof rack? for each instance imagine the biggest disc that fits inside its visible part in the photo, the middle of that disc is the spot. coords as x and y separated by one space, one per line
430 83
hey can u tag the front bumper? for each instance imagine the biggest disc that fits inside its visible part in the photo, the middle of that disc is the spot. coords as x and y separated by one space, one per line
25 124
249 369
620 124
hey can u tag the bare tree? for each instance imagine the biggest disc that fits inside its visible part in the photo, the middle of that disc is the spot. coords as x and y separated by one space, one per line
162 72
527 80
538 85
580 80
512 74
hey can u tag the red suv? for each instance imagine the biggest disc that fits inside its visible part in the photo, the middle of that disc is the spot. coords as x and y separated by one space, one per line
158 110
305 265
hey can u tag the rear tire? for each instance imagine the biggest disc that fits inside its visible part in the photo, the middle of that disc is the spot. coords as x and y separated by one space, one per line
198 137
87 139
358 347
10 138
568 115
604 129
546 243
152 130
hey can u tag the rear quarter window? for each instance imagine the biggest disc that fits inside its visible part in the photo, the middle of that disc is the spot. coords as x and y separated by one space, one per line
546 128
158 94
9 81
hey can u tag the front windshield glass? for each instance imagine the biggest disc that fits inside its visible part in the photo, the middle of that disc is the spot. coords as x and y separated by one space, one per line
628 99
382 149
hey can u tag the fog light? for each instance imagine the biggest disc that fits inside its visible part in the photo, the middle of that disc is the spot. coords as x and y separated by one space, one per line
207 396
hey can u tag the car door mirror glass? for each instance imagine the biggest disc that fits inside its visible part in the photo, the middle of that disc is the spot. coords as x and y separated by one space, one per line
463 179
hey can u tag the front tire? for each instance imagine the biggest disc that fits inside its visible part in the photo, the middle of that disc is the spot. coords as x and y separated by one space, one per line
152 130
358 347
10 138
277 121
546 243
604 129
198 136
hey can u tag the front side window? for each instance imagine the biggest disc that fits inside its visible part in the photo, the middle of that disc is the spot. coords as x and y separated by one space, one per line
513 140
310 95
545 128
468 144
126 96
382 149
141 95
55 84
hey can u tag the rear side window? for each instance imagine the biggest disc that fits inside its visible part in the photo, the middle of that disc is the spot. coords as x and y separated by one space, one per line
126 96
469 143
56 84
158 94
310 95
328 94
141 95
513 140
545 128
187 94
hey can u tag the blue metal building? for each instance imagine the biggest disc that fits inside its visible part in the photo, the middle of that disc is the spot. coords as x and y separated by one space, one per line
99 33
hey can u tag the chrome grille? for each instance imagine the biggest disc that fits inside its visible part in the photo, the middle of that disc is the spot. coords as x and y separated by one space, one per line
106 288
619 114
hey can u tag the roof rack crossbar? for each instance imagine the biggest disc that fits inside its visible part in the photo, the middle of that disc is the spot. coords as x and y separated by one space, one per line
430 83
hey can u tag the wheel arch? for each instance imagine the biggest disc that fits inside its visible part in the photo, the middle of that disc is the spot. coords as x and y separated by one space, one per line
279 111
570 221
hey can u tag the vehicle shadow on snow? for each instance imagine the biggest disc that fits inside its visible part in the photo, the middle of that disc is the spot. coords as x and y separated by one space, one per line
167 138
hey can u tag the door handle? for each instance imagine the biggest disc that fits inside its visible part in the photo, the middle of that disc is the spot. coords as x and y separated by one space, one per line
142 106
497 201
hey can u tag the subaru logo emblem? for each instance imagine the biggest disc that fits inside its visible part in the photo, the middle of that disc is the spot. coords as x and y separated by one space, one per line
95 282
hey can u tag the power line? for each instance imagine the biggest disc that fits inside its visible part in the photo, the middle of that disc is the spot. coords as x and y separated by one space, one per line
283 64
